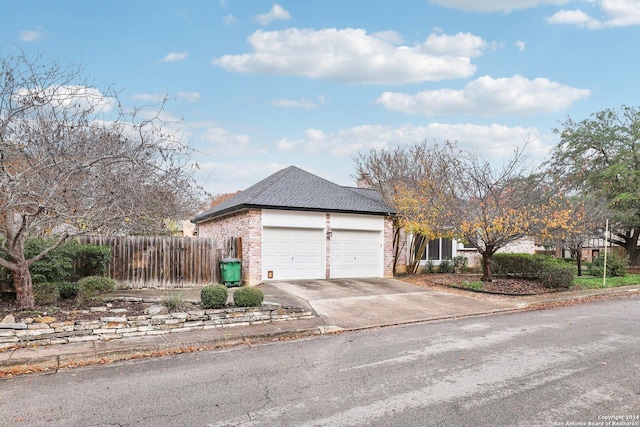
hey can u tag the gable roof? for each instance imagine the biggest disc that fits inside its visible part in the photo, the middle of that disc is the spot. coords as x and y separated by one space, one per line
295 189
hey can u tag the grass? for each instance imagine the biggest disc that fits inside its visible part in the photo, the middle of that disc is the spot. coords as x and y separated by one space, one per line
474 286
589 282
173 301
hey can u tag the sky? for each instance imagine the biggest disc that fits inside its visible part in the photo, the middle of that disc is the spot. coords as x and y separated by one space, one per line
257 85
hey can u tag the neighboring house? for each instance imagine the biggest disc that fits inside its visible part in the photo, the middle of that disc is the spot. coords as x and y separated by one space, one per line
296 225
591 249
441 249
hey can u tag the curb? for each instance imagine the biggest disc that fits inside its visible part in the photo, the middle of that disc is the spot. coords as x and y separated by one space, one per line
11 368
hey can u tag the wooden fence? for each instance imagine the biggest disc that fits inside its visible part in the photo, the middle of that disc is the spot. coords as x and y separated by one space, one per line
165 262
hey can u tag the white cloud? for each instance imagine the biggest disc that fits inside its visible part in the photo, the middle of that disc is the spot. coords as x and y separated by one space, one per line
617 13
521 45
175 57
486 6
225 142
621 12
389 36
159 97
277 13
304 103
209 138
574 17
461 44
153 97
489 97
352 55
230 19
229 177
493 142
73 99
189 96
32 35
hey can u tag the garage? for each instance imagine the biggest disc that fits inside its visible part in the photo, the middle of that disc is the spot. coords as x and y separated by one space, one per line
294 225
292 253
356 253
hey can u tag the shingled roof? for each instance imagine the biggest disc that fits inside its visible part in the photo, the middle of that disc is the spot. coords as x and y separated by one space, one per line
295 189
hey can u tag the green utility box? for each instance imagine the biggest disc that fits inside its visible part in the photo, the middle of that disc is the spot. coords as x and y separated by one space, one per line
230 272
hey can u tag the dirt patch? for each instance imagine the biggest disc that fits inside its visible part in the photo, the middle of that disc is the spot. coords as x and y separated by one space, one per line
505 286
68 310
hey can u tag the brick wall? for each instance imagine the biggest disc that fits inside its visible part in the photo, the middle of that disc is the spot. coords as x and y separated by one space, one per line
526 245
387 270
248 226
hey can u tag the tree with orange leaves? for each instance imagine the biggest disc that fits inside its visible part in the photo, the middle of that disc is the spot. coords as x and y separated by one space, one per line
575 220
397 174
486 206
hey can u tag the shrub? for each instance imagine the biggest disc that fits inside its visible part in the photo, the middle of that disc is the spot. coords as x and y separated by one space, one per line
91 260
57 266
248 296
69 262
557 275
214 296
616 266
430 267
526 266
91 288
552 272
68 290
46 293
173 302
460 264
446 266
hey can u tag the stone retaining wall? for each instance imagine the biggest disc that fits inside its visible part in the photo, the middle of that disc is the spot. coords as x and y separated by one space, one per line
114 327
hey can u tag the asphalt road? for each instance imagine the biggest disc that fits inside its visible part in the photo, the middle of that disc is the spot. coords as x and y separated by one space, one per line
576 366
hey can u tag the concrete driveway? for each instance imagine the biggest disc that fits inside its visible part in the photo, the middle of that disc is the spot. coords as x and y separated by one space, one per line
363 303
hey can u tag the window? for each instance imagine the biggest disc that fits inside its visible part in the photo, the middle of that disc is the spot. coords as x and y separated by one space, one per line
439 249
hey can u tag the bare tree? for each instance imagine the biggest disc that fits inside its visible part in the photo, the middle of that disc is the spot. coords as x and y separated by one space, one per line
72 161
394 172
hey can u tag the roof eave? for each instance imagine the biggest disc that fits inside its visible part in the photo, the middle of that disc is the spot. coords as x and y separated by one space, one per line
238 208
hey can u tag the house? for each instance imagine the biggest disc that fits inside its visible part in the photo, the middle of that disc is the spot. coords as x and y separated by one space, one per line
296 225
445 249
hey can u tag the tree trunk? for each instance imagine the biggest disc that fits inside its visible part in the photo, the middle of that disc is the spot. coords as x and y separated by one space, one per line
396 245
629 241
577 254
633 252
418 248
579 260
486 266
23 286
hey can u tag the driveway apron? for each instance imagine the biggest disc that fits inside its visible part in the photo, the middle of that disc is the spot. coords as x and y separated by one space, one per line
365 303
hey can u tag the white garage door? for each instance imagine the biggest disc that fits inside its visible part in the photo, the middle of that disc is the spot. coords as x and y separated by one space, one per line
356 253
292 253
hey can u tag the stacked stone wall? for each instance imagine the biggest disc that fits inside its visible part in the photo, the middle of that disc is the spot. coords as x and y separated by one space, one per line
115 325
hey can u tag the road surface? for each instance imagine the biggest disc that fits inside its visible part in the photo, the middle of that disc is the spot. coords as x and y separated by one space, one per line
574 366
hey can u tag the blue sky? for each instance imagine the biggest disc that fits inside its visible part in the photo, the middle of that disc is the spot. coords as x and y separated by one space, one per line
260 85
